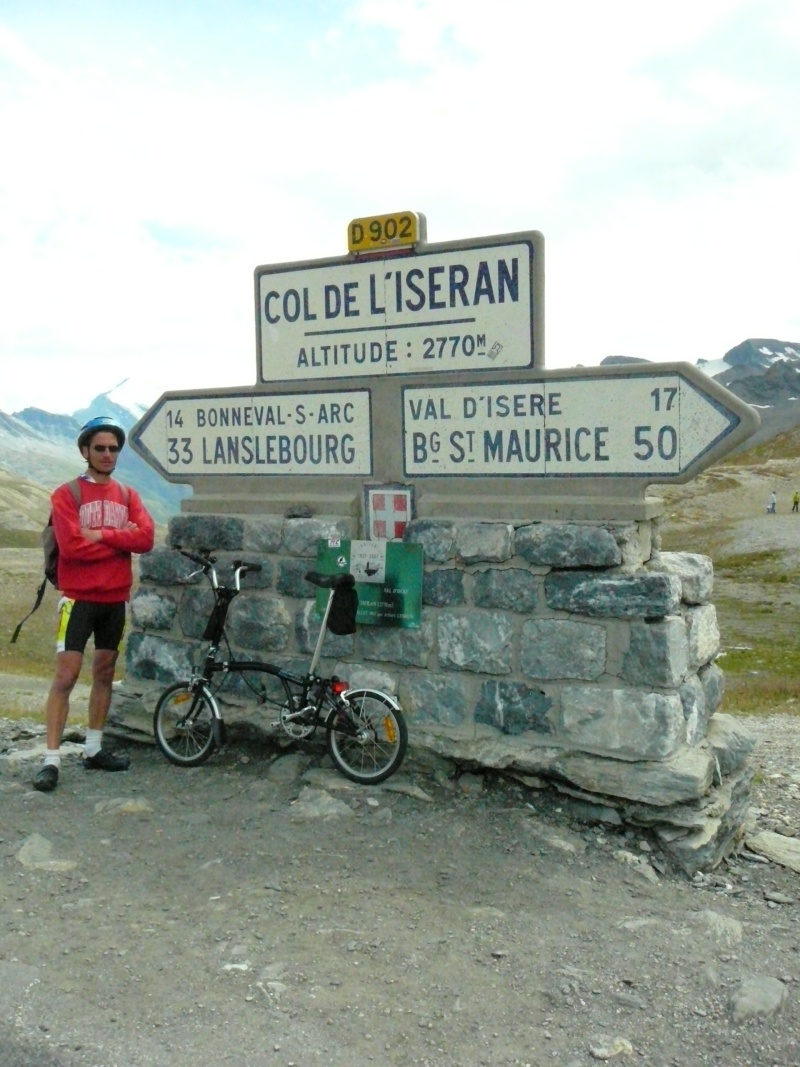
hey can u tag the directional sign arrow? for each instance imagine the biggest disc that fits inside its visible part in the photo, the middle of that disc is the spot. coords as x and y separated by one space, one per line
249 432
654 423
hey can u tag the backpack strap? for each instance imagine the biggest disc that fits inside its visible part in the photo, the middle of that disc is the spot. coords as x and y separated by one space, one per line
39 597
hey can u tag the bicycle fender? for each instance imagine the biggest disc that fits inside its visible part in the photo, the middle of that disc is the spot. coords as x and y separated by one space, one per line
377 692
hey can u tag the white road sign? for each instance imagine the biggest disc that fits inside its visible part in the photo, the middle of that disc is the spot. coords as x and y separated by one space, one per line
646 424
293 433
442 308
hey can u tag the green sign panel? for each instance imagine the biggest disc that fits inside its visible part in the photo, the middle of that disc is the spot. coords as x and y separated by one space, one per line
388 578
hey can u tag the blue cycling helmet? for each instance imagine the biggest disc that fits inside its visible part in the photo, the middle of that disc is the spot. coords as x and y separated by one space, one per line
101 424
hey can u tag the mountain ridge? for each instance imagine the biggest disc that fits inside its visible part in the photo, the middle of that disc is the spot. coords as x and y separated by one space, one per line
39 448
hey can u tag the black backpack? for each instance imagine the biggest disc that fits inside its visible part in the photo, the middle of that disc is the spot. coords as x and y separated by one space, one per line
50 552
342 616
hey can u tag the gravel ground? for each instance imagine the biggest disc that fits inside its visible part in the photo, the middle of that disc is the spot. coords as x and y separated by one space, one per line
261 910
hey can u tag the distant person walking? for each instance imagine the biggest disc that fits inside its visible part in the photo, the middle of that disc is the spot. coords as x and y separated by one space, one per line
95 540
796 501
773 503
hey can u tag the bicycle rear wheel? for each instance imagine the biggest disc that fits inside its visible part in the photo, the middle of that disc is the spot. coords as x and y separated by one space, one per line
367 744
183 724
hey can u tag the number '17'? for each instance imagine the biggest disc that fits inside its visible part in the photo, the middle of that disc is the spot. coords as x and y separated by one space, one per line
668 393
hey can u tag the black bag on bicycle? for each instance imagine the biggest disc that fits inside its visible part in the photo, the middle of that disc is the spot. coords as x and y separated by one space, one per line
342 616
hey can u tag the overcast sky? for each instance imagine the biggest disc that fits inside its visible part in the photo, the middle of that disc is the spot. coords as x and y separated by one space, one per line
153 154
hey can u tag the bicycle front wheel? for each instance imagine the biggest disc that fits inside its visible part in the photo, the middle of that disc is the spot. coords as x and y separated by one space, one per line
183 724
368 740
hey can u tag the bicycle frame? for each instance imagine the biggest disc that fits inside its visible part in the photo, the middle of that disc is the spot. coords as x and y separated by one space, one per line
212 665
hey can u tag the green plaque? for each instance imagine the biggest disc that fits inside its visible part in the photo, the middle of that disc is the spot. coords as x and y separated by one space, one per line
388 578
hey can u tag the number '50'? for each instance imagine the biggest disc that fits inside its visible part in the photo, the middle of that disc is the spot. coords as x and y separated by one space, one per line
648 441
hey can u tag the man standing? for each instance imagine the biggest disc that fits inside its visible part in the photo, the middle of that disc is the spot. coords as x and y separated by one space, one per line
95 540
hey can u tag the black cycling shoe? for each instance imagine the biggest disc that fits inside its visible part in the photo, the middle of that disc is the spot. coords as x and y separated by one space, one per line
106 761
47 779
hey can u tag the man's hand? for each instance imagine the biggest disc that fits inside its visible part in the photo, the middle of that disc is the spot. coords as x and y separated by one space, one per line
91 535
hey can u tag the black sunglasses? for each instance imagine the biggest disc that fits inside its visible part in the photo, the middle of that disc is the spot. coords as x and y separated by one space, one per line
105 448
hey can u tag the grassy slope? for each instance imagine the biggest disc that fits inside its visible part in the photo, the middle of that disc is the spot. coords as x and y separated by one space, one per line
756 562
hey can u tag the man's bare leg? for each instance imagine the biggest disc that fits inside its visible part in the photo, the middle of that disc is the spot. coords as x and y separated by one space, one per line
68 667
95 757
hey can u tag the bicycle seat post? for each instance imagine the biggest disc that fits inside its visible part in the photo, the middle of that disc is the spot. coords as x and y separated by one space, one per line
321 636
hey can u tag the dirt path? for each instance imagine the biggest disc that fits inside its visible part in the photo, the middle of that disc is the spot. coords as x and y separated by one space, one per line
262 910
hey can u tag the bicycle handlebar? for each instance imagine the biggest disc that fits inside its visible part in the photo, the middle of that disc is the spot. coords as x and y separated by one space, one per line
207 562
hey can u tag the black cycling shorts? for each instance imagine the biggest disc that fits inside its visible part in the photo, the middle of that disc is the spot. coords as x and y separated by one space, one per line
78 620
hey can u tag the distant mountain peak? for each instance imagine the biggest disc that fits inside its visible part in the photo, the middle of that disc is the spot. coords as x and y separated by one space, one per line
41 447
120 403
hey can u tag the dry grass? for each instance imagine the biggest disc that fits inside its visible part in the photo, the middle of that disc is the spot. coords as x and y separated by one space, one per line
20 574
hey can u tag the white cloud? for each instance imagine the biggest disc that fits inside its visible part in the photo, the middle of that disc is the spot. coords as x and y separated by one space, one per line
146 175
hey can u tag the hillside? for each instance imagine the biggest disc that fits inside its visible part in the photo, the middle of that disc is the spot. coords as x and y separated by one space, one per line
23 509
722 514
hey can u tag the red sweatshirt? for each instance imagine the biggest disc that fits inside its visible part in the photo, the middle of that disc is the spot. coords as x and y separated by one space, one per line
99 571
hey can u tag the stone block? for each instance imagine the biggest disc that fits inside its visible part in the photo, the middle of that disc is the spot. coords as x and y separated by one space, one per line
261 624
695 709
509 589
713 682
157 658
658 653
702 634
567 545
484 542
624 723
291 578
725 812
165 566
194 610
635 543
411 648
437 698
514 708
685 776
300 536
475 641
216 533
263 535
562 648
437 537
443 588
696 574
616 596
731 742
153 611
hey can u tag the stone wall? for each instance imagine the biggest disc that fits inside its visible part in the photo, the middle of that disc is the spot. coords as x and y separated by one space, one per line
573 651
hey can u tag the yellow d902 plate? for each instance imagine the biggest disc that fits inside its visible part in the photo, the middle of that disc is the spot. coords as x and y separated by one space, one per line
383 231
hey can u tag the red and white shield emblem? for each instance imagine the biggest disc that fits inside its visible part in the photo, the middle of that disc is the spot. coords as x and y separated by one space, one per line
390 514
